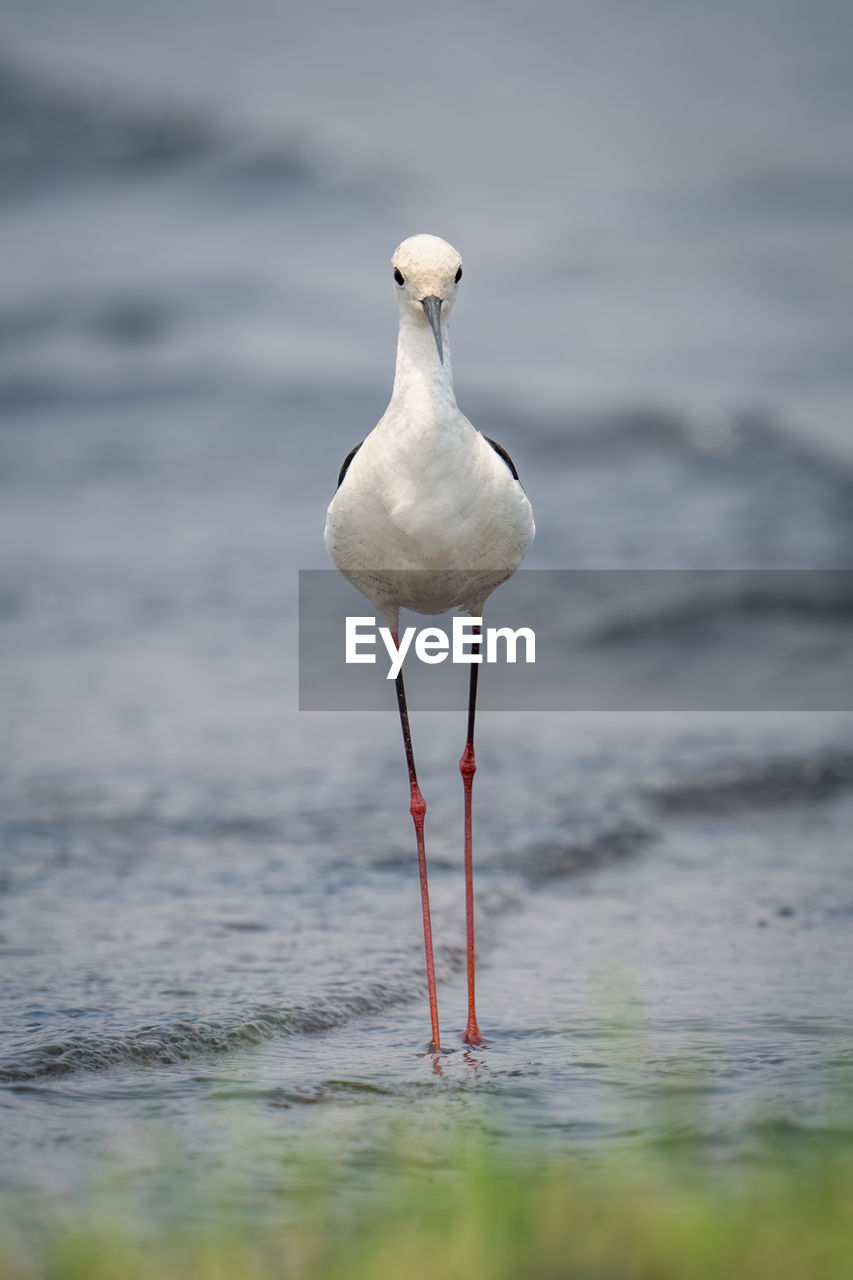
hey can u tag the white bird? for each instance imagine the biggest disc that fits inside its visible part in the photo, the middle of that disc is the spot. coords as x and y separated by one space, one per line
429 515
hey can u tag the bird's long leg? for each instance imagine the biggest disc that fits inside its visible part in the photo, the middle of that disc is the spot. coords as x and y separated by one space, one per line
417 809
468 767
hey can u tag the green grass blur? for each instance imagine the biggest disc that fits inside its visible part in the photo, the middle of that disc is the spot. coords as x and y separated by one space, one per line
487 1210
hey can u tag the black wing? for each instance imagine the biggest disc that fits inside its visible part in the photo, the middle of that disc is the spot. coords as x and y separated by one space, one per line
348 459
498 448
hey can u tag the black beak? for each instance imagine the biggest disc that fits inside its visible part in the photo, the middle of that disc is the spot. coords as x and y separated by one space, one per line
432 307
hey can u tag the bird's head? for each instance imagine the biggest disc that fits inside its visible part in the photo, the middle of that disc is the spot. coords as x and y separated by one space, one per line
427 271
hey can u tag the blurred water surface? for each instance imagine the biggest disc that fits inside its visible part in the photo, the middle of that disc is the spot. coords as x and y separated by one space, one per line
208 905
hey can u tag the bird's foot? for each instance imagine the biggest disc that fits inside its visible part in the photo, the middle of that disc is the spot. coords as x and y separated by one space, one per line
436 1051
434 1046
473 1037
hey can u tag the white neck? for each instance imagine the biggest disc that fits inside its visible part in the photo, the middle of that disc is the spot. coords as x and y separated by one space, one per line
421 382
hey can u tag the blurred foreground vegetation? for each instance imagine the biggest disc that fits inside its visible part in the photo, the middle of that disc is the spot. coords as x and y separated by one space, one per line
491 1211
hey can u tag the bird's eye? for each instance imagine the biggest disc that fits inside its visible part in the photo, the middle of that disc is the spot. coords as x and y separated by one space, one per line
458 275
398 276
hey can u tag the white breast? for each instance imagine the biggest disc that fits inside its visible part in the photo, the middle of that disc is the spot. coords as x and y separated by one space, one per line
430 518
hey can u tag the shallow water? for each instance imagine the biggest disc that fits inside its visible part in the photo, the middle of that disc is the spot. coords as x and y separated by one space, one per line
209 916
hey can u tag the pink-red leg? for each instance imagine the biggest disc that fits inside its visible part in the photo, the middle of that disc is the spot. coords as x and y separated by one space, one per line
417 809
468 767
